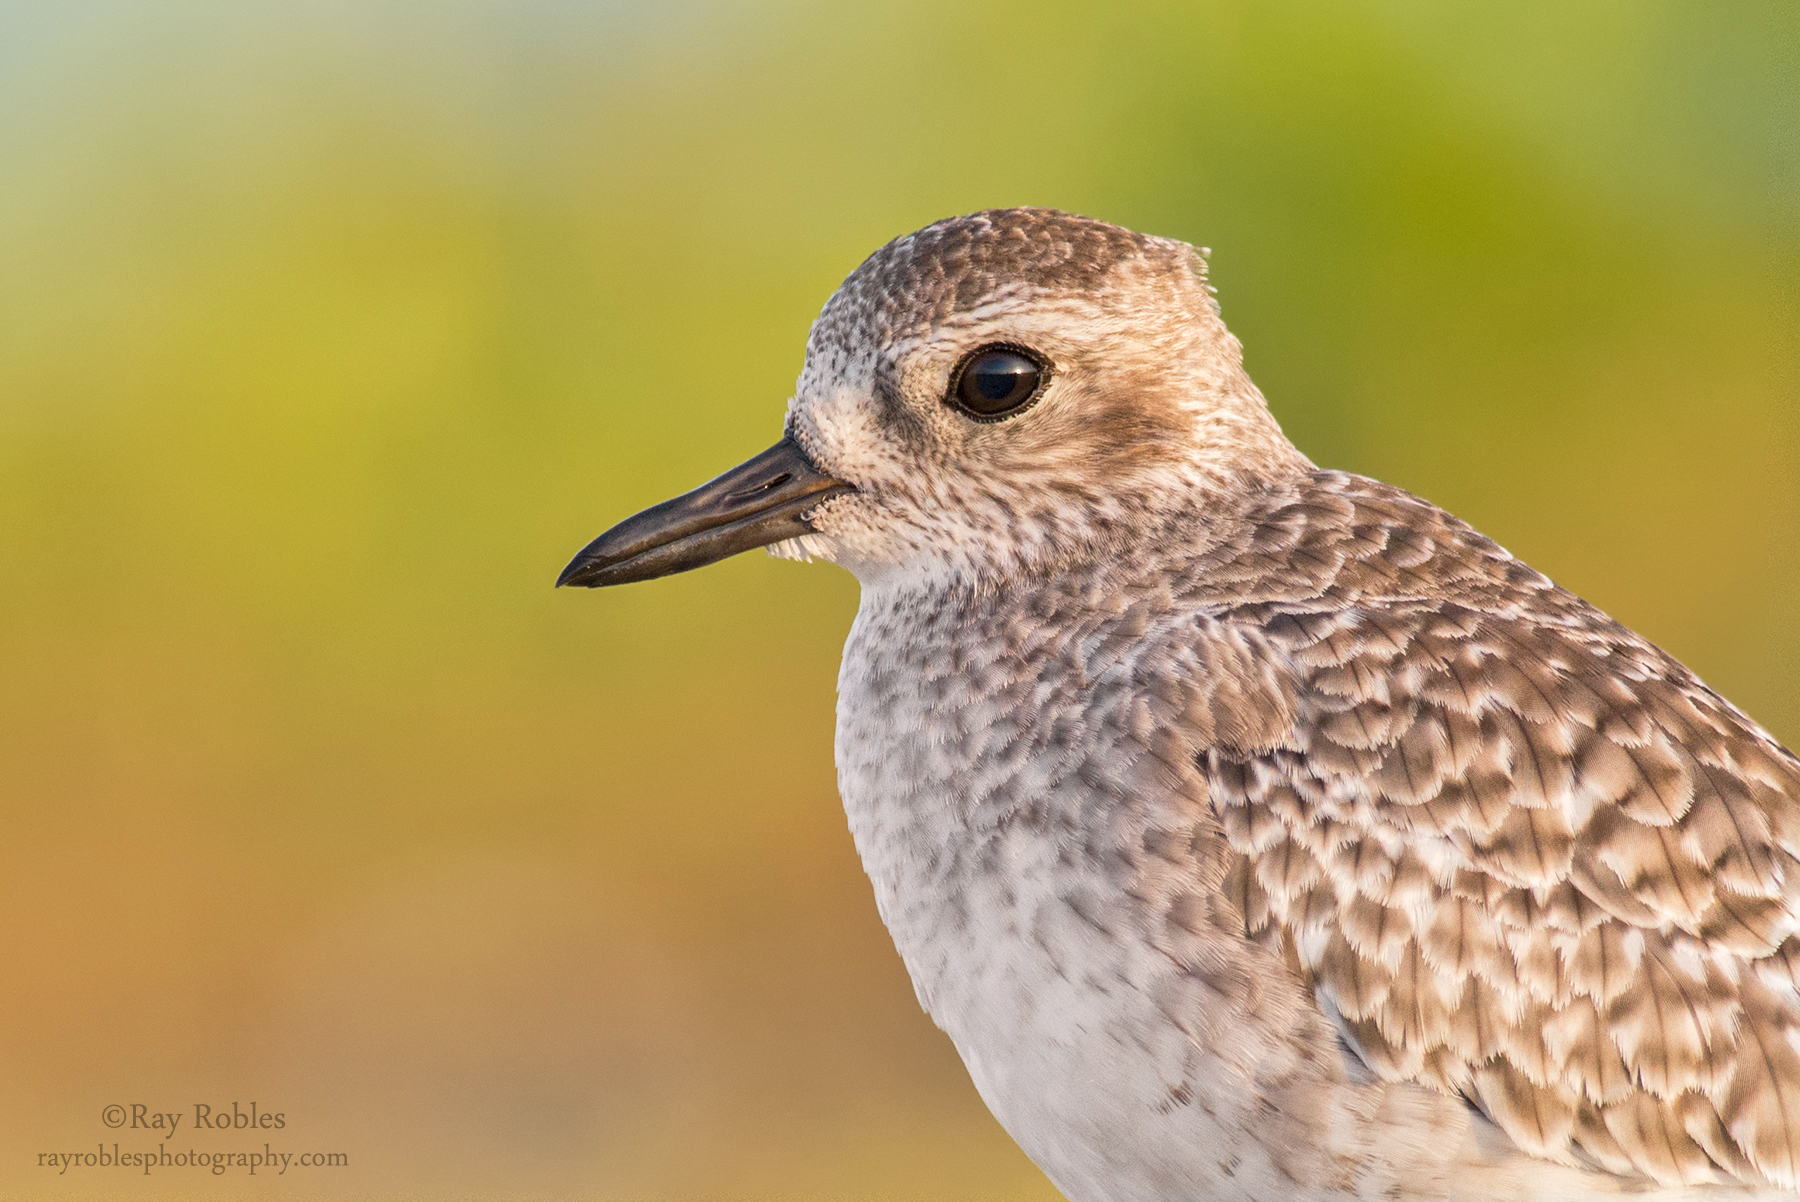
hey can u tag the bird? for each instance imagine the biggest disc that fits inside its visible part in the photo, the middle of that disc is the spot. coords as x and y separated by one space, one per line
1255 830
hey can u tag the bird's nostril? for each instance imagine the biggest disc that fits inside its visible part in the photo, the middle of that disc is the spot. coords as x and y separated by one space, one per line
772 483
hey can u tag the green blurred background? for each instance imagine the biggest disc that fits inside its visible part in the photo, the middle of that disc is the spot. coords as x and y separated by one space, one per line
330 329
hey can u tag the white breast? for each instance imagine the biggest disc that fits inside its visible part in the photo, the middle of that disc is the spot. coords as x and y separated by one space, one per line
983 784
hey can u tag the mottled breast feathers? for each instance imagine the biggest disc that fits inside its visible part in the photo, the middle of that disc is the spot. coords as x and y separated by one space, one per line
1518 853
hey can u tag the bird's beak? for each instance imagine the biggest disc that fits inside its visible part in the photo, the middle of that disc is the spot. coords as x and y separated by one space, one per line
756 503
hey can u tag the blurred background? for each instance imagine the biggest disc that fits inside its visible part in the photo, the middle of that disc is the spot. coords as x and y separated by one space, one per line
330 329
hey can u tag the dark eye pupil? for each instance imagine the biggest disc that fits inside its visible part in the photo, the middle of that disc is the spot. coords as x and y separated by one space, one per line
997 377
997 382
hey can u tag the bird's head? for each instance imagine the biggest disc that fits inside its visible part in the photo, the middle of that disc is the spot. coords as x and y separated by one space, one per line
1009 391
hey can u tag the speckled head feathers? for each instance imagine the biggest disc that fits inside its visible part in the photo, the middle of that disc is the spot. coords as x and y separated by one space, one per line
957 264
1148 410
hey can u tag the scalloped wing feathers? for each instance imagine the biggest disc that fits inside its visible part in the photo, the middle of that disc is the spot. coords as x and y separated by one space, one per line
1518 853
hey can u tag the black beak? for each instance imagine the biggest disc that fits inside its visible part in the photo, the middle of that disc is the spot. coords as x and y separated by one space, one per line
754 504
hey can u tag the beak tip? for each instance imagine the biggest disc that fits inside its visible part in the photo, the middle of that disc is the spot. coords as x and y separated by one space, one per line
571 575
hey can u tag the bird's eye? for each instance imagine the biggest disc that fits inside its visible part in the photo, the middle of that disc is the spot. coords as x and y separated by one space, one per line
998 381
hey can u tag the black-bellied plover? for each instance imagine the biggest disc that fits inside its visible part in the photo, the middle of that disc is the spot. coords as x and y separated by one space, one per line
1255 830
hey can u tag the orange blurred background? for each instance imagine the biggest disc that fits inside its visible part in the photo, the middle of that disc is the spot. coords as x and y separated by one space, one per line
329 330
